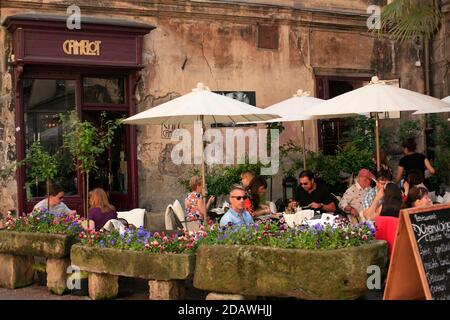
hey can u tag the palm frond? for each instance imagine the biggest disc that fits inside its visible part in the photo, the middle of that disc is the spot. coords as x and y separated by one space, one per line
405 20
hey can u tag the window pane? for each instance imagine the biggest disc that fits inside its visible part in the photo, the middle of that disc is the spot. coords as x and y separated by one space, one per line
103 91
44 100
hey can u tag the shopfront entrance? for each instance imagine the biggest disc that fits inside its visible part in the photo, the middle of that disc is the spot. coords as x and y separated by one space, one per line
332 131
51 80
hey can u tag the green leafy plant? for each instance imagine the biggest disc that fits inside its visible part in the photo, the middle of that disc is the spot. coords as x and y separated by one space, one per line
362 134
440 140
86 142
405 20
409 129
350 159
41 165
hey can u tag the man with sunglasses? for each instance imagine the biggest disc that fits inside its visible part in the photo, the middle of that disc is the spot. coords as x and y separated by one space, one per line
313 195
56 195
237 215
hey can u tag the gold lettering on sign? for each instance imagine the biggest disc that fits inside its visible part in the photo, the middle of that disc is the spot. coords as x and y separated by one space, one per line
82 47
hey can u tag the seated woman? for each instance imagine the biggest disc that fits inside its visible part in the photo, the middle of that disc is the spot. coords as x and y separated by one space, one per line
391 204
415 179
194 206
100 209
418 197
258 198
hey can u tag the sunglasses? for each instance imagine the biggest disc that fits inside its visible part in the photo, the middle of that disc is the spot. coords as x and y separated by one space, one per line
238 198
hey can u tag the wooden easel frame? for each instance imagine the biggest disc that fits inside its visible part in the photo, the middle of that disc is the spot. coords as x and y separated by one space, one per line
406 278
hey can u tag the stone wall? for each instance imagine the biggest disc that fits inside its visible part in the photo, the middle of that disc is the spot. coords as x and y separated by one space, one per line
8 186
216 43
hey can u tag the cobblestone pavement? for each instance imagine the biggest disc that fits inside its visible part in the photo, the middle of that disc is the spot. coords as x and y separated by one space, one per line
129 289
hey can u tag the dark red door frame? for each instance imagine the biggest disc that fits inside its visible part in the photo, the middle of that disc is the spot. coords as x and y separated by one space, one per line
323 92
47 72
39 48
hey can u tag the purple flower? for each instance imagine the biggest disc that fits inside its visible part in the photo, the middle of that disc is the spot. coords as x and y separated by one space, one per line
318 227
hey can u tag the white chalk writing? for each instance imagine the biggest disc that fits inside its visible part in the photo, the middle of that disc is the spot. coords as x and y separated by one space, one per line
425 218
428 233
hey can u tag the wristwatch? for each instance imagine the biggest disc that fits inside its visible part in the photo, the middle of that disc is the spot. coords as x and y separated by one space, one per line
321 206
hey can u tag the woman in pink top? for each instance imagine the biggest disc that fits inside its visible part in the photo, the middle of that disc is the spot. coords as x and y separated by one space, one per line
194 206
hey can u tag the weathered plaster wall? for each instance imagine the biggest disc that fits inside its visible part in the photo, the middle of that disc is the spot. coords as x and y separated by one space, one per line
216 43
8 186
440 59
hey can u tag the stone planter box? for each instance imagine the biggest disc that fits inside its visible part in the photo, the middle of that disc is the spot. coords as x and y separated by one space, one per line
16 258
303 274
166 272
35 244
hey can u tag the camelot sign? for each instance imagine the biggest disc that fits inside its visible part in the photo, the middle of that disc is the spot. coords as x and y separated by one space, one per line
49 42
82 47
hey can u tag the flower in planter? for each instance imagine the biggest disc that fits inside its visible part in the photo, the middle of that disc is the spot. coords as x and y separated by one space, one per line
40 220
275 234
142 240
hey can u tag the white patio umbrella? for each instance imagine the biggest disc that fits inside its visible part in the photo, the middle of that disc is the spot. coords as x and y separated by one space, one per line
376 97
200 105
293 109
435 110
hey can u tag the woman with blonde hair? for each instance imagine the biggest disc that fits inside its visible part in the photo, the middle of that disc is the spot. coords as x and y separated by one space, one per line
100 210
194 205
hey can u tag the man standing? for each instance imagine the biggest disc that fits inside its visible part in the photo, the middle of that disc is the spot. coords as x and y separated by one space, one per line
352 200
237 215
315 196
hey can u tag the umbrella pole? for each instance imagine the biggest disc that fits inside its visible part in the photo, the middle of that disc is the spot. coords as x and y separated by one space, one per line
302 125
377 140
203 169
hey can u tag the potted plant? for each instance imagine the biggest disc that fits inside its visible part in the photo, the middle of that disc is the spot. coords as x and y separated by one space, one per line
306 262
42 166
41 234
86 142
165 260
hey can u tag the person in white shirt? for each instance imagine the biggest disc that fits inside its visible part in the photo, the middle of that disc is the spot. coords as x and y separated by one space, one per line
56 195
352 200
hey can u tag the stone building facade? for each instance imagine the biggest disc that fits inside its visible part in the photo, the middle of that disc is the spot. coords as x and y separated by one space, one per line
269 49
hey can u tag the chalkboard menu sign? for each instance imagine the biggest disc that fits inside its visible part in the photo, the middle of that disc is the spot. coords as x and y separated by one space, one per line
420 262
432 234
